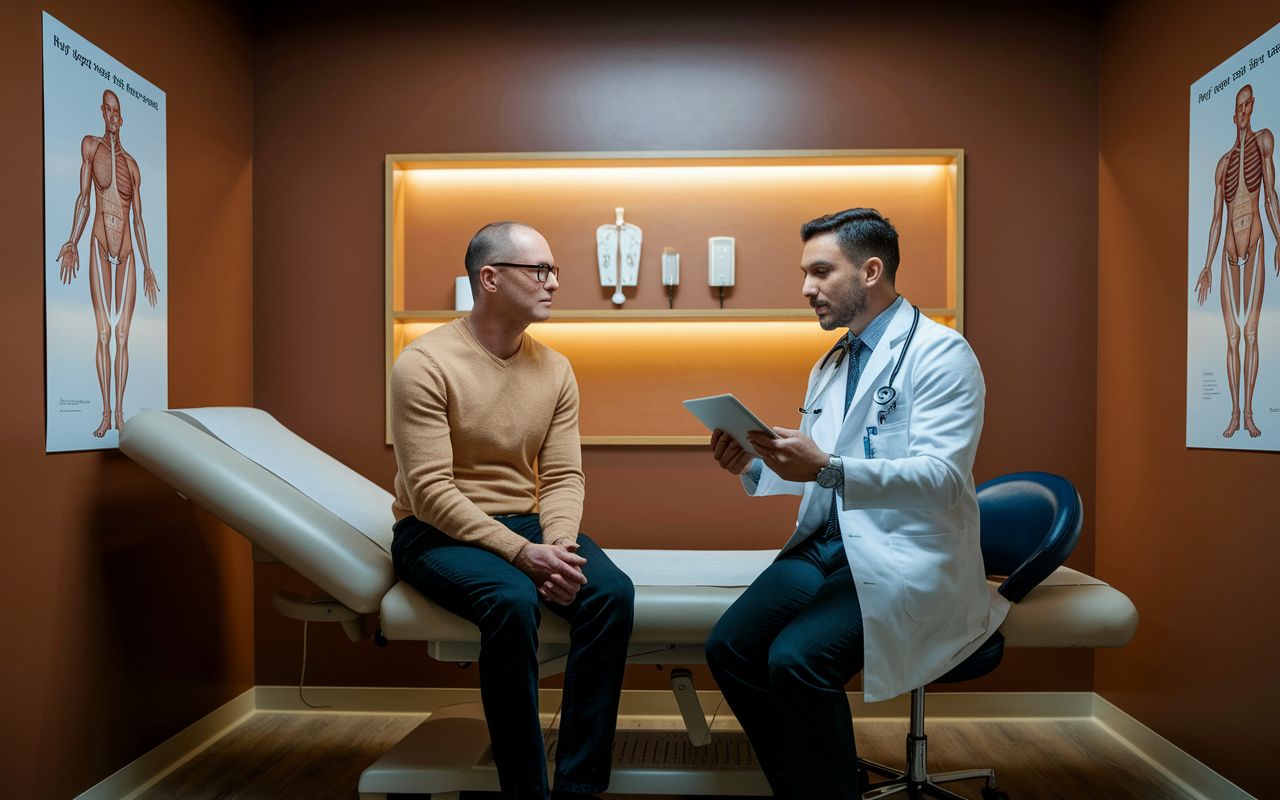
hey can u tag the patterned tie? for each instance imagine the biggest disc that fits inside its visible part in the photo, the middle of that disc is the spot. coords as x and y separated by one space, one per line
855 372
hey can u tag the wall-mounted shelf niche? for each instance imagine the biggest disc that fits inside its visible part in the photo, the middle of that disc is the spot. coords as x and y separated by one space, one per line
632 373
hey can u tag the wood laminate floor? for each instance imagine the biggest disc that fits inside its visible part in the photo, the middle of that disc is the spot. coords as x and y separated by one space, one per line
318 756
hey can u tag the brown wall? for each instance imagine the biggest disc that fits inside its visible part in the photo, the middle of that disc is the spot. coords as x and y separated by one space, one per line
334 91
1189 534
129 610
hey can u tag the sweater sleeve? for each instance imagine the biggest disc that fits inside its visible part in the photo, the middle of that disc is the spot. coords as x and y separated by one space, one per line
561 484
424 455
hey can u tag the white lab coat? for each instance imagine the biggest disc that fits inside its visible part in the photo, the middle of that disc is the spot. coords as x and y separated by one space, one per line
909 515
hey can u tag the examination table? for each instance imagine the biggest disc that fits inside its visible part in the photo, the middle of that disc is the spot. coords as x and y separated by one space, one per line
299 506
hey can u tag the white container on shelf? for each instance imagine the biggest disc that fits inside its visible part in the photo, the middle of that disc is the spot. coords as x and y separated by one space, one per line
462 300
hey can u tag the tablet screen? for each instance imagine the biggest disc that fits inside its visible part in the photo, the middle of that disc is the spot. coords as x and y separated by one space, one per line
726 412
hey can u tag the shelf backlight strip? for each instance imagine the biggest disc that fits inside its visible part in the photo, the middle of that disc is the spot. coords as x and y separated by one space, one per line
706 337
641 175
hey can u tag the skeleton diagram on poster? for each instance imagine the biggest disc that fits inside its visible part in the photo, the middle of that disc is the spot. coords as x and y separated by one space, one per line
105 315
1233 328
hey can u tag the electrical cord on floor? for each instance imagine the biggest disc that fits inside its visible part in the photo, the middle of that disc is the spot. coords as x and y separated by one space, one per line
303 677
546 737
714 713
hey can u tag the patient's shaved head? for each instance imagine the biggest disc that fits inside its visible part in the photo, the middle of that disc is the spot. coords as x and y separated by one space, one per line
493 242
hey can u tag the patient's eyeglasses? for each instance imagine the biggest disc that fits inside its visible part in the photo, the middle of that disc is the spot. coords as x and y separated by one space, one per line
541 271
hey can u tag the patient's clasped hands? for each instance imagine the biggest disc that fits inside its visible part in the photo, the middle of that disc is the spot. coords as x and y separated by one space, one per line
793 457
555 569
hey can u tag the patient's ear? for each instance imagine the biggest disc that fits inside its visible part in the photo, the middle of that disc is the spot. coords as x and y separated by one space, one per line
488 279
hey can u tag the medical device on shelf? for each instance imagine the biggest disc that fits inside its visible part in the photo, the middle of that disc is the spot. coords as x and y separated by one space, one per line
618 254
720 263
670 273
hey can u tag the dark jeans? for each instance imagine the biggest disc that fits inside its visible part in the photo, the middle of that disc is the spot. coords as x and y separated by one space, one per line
486 589
782 655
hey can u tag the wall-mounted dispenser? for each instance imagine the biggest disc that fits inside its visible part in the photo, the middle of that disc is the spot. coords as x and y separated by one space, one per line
720 250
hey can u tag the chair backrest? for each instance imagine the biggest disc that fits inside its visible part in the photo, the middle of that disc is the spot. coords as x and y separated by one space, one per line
1030 523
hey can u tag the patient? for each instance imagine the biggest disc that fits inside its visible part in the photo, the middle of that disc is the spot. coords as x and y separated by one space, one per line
489 495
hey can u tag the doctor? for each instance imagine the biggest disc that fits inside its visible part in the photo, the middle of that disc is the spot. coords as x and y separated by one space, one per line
883 573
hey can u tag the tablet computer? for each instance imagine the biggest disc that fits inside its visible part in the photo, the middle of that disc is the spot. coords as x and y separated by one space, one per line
726 412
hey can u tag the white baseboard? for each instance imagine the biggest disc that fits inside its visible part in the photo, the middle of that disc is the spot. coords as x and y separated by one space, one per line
1189 774
364 699
134 778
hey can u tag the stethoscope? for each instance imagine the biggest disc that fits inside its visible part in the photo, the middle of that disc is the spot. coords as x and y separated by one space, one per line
885 396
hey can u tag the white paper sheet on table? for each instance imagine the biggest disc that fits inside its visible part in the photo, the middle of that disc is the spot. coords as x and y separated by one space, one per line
345 493
1066 576
692 567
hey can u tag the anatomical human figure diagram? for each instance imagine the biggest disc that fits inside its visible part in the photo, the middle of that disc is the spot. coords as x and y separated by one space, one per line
1244 184
111 175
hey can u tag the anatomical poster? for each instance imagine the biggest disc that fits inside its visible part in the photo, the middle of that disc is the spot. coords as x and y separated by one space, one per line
105 243
1233 253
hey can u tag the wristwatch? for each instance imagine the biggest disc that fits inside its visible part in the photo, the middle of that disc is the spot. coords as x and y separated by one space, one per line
831 475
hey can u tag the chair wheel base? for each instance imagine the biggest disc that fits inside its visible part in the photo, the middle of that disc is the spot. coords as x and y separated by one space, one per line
994 794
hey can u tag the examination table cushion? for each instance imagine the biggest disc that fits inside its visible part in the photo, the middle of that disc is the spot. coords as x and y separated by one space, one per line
1074 614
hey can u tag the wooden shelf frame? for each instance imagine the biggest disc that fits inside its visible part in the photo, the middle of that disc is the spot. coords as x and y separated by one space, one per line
397 164
663 314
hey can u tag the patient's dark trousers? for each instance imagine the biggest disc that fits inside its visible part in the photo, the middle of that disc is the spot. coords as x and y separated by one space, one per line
782 655
502 601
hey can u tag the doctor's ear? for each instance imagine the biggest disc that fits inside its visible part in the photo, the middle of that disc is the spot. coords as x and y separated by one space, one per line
873 271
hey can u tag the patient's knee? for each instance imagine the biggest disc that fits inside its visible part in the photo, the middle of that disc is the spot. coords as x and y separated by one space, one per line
514 603
612 594
620 594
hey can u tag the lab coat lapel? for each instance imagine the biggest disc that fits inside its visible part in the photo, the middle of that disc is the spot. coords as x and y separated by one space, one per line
876 373
831 397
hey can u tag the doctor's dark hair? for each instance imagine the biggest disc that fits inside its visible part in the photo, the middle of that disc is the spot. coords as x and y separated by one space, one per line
491 243
861 233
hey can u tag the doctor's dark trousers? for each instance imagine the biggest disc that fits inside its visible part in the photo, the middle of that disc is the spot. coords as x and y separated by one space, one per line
782 655
485 589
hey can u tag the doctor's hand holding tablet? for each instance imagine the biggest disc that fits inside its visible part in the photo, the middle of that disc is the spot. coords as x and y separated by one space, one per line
739 435
791 455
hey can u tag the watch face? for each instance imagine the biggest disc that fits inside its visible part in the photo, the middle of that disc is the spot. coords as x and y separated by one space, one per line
828 477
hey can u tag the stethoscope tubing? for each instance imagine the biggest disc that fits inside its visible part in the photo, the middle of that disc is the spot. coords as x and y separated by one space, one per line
885 394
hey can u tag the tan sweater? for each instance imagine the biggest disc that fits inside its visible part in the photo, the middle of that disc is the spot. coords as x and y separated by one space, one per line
468 429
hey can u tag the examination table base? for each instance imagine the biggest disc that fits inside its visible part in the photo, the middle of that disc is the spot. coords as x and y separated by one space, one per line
449 753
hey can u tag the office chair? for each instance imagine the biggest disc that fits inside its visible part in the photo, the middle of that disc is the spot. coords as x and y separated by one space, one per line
1030 523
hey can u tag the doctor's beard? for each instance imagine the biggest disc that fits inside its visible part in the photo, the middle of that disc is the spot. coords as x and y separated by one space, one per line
846 305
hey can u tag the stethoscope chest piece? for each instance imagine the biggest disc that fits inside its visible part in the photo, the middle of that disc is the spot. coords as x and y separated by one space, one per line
887 397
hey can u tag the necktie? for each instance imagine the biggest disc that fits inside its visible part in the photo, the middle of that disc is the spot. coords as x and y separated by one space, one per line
855 372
